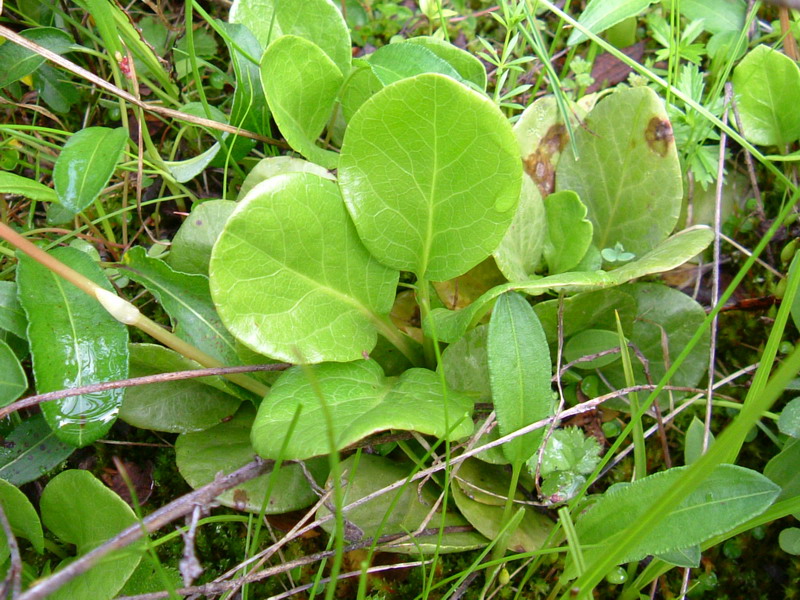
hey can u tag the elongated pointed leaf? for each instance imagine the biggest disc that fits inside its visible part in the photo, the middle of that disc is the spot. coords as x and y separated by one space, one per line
80 510
443 207
85 165
599 15
187 300
74 342
360 401
16 184
674 251
291 279
730 496
628 174
519 371
301 83
31 450
319 21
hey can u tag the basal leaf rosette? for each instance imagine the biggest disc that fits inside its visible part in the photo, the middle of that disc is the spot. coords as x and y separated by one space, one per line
290 278
431 175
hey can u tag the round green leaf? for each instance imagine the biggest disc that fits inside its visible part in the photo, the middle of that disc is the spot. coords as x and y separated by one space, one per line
225 448
272 166
85 165
767 84
74 342
431 175
191 246
21 516
301 84
387 514
80 510
592 341
173 406
569 233
397 61
469 67
789 540
360 401
789 421
520 252
12 376
319 21
627 171
291 279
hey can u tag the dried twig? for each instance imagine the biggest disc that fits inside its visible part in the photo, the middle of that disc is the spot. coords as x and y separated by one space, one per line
13 580
154 521
134 381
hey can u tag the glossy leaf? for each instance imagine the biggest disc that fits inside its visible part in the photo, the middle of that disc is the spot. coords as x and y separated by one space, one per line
767 84
12 376
569 233
186 170
291 279
187 300
279 165
319 22
70 506
191 247
301 83
383 516
22 517
174 406
12 317
85 165
74 342
628 174
519 371
728 497
599 15
469 67
30 451
360 401
226 447
30 188
520 252
441 209
397 61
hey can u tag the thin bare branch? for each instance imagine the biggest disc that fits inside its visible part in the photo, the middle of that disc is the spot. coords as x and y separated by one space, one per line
154 521
134 381
12 36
